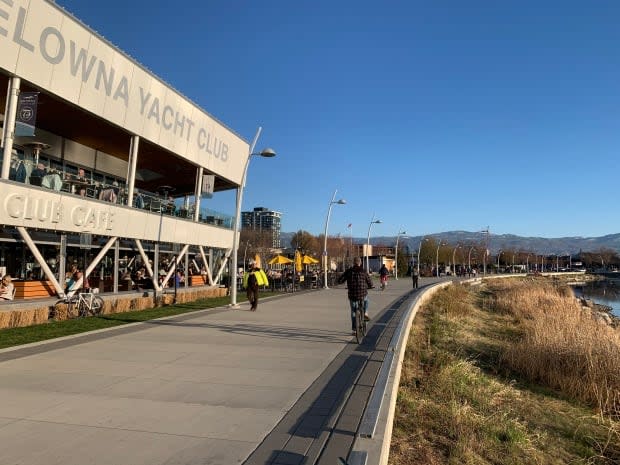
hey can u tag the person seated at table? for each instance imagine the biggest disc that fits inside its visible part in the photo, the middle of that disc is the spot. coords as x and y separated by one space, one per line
109 194
170 206
6 288
81 175
76 281
39 170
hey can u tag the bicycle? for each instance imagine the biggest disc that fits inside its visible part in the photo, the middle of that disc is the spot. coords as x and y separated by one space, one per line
86 303
360 321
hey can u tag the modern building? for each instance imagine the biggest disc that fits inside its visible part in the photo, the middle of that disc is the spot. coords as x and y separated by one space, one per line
102 163
263 220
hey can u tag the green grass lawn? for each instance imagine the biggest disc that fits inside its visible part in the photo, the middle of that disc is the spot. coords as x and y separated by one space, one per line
17 336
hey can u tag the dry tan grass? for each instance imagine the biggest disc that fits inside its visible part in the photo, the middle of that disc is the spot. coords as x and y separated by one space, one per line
562 346
453 406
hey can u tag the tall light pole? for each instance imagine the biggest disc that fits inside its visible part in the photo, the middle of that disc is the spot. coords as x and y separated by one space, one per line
486 250
469 258
454 259
396 254
372 221
437 258
424 239
499 254
267 153
329 211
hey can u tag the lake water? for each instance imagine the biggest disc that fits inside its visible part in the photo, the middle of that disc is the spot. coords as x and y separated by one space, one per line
605 292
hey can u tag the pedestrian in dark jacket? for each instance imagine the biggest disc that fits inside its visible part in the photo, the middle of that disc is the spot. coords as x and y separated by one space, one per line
414 277
358 283
252 288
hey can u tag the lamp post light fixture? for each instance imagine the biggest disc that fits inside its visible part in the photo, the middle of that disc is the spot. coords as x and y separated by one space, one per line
396 254
372 221
267 153
329 211
499 254
454 259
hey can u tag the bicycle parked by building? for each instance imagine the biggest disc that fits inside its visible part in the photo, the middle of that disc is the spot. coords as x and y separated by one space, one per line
79 304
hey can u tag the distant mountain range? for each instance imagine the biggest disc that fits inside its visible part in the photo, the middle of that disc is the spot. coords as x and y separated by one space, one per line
560 245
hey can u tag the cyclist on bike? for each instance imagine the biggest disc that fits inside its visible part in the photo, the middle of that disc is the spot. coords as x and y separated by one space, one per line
383 275
358 283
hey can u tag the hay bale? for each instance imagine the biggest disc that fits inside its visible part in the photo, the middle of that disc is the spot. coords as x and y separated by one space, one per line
5 318
29 317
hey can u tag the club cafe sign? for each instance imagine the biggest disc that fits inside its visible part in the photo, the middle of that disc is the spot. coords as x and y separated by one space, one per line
50 213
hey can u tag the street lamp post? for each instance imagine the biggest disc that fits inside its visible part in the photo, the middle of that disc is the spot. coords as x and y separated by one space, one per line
372 221
424 239
396 254
469 258
499 254
454 259
437 259
267 153
329 211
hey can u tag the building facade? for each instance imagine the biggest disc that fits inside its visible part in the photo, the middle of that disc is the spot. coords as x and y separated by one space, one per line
263 220
102 163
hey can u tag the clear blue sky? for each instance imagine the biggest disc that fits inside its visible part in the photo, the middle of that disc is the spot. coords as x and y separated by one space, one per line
436 116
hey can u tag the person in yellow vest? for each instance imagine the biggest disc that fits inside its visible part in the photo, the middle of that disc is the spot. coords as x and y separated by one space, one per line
252 280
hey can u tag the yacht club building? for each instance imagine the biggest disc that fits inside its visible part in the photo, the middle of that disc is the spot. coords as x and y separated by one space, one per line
103 163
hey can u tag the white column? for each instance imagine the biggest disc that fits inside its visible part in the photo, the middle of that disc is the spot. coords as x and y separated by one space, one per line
8 134
131 169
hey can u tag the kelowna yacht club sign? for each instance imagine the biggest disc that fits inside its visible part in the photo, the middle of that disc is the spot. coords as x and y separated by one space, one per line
111 75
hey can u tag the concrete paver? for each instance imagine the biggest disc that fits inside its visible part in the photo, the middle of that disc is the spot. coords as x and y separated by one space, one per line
205 388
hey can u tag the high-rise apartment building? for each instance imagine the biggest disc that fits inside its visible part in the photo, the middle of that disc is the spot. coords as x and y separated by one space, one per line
263 220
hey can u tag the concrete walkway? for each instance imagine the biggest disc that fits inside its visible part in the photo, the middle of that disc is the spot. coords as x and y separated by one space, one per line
218 386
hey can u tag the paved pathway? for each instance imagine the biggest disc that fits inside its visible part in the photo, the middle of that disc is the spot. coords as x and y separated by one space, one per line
218 386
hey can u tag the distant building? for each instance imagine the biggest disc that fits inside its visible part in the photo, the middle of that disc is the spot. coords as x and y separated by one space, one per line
263 220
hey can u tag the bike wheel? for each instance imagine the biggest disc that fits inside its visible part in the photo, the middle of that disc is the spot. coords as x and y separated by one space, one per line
96 307
363 320
82 309
359 318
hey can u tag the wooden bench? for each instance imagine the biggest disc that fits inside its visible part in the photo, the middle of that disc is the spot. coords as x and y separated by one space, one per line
198 280
33 289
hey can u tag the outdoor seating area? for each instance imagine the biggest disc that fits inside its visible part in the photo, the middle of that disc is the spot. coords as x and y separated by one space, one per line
47 173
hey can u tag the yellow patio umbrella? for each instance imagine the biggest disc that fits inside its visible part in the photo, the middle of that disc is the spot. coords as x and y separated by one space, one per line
298 264
280 260
308 260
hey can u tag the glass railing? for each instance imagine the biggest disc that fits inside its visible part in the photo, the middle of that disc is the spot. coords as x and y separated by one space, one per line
28 173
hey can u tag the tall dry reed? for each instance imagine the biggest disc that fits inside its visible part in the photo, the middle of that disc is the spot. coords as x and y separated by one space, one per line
562 345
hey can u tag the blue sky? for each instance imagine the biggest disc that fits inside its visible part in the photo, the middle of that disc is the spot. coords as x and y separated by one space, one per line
434 116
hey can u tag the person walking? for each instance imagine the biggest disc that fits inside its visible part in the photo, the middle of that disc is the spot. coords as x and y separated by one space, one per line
383 276
253 279
414 277
358 283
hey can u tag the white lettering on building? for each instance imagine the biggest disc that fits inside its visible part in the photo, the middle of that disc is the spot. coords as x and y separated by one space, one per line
55 49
